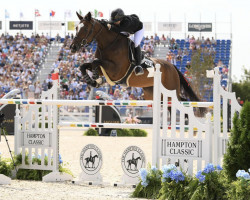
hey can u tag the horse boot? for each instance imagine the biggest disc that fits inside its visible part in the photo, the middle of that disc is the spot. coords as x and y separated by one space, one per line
138 57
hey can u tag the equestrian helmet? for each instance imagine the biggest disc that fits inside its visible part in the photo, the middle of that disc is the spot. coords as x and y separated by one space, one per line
117 15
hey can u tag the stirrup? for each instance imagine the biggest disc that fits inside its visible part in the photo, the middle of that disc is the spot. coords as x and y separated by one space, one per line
138 70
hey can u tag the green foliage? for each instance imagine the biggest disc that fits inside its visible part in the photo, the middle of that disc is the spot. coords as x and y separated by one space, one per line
242 89
63 168
124 132
91 132
153 180
139 133
120 132
5 167
172 189
211 189
31 174
46 125
239 190
238 151
131 132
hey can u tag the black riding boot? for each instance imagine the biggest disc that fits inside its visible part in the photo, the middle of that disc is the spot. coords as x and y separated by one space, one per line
138 69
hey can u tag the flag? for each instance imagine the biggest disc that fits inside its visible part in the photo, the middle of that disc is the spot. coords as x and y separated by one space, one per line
52 13
21 15
7 15
37 13
98 13
67 13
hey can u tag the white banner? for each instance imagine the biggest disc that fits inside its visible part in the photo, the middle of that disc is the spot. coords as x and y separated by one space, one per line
147 26
50 25
169 26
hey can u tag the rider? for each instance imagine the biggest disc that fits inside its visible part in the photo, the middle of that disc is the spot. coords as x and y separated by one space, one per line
131 24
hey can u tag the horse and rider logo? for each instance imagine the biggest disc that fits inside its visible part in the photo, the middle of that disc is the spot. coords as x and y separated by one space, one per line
91 159
133 159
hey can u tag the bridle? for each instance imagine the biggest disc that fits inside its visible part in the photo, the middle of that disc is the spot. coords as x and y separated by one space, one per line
84 42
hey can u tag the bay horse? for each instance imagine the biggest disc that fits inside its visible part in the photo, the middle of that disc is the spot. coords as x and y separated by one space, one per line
112 60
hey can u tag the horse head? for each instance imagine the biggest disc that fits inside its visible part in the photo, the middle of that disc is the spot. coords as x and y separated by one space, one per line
86 31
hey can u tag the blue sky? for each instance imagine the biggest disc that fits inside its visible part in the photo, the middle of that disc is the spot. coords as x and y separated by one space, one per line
163 10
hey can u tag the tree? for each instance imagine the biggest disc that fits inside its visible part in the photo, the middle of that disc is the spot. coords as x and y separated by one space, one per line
238 151
242 89
200 62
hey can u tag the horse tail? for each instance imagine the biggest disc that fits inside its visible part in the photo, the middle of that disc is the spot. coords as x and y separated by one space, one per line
188 92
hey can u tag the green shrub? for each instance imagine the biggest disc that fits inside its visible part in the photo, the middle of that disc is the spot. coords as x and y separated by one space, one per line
150 183
208 184
124 132
139 133
240 189
91 132
5 167
174 183
33 174
238 151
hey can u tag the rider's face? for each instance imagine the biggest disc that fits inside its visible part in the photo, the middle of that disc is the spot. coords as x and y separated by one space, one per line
117 23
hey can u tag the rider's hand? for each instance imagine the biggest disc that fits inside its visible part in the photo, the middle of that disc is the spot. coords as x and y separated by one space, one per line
109 26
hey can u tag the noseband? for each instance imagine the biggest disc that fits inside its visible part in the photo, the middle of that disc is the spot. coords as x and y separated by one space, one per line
84 42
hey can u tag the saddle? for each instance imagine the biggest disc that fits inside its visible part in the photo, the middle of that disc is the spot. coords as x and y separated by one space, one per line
145 63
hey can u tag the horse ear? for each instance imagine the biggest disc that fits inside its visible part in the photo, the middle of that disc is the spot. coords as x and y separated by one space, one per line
79 16
88 16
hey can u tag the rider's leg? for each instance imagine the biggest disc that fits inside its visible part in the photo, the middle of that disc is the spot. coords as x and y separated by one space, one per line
138 56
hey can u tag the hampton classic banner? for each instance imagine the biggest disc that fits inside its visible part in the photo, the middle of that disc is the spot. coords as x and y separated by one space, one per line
187 148
37 139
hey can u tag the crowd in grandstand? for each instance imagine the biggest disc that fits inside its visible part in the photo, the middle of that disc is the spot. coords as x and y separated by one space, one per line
20 57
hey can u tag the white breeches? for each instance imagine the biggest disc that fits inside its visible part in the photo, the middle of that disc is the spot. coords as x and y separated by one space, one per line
137 37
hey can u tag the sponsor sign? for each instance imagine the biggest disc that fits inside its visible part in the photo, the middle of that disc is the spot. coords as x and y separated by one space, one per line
169 26
91 159
36 139
200 27
72 25
133 159
181 148
50 25
21 25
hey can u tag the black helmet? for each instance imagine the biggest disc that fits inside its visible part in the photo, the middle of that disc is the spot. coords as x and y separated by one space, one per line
117 15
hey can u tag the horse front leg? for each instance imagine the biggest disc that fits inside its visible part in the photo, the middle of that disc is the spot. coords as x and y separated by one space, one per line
87 78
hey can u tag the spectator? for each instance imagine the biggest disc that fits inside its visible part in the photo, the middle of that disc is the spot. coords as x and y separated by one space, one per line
157 39
45 86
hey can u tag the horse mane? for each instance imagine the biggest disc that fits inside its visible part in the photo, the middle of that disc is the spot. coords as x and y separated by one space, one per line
103 22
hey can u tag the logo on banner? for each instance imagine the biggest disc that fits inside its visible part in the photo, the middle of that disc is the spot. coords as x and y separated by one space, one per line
21 25
91 159
133 159
200 27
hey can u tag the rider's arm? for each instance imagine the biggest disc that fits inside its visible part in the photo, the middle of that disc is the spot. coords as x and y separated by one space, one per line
123 27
